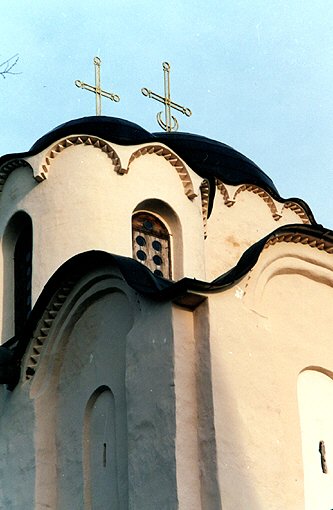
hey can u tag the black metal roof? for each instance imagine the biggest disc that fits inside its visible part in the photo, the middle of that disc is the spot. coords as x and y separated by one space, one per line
208 158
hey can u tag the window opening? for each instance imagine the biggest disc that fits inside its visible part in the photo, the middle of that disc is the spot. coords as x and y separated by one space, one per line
151 243
22 279
104 454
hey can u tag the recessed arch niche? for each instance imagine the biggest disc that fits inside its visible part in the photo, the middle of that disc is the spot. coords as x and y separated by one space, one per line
79 391
100 465
315 397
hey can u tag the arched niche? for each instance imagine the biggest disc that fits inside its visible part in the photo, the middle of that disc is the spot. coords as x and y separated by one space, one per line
17 245
168 217
315 397
100 466
85 349
284 260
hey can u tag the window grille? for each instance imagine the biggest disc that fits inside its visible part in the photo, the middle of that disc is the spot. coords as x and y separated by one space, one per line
151 243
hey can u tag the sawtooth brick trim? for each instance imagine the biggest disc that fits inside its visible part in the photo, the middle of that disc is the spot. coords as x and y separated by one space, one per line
293 206
297 210
224 192
319 244
41 333
204 190
9 167
63 144
171 158
262 194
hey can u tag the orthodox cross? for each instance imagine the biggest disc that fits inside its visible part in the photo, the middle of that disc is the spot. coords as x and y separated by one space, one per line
97 89
171 123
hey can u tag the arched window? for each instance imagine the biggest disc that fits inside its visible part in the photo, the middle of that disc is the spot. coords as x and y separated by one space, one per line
151 243
17 273
22 277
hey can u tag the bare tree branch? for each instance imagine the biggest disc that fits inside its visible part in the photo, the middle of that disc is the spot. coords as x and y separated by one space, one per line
7 66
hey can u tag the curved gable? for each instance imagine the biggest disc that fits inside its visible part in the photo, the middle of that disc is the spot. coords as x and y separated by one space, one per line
172 159
71 141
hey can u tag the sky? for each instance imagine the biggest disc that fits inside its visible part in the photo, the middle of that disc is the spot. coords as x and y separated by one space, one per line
257 75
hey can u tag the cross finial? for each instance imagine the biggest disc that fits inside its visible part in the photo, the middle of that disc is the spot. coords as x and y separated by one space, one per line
171 123
97 89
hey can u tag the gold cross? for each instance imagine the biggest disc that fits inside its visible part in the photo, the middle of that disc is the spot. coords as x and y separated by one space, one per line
171 123
97 89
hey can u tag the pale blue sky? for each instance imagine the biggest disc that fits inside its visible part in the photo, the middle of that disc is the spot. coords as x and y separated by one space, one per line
257 75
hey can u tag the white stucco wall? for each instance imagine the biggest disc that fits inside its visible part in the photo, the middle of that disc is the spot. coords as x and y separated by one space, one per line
264 332
233 390
85 205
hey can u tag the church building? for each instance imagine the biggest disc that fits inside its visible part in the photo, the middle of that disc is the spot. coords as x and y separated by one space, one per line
165 326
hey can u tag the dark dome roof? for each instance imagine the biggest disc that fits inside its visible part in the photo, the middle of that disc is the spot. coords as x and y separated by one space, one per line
208 158
111 129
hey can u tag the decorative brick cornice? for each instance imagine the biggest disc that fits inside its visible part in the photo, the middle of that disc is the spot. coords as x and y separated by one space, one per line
224 192
40 337
297 209
106 147
70 141
9 167
172 159
319 244
266 197
204 189
262 194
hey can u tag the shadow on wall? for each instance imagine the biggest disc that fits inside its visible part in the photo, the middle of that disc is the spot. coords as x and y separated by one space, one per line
236 480
225 479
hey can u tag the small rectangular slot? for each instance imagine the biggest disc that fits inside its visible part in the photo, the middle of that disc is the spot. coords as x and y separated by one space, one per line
322 451
104 454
